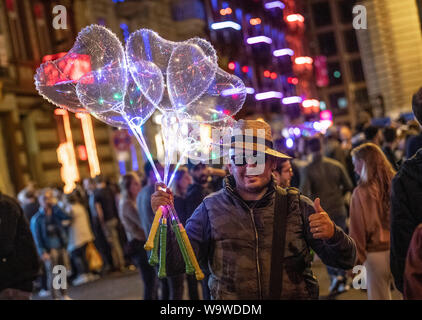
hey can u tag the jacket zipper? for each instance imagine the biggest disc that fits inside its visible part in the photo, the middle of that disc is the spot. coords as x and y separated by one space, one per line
256 239
257 254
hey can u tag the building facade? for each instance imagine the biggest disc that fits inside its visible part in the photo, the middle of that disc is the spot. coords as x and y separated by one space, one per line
334 41
391 49
38 143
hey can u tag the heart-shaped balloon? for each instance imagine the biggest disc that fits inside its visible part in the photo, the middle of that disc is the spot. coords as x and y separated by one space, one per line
136 106
224 98
103 88
95 48
147 57
189 74
144 49
112 118
133 111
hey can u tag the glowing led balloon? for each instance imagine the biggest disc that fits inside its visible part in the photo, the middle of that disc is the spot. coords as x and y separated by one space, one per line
148 57
104 88
136 106
223 98
112 118
189 74
96 49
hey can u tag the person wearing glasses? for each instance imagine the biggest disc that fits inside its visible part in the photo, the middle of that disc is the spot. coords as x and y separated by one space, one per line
235 231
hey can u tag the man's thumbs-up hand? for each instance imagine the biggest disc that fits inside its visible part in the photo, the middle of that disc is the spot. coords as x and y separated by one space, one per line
321 225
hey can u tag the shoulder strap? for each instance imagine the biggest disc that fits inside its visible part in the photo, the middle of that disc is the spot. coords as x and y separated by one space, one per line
279 239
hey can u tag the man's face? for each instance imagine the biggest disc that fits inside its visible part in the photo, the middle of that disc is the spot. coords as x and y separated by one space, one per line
286 174
249 182
47 200
200 174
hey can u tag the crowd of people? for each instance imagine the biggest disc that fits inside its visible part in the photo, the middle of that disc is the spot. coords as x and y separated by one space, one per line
351 196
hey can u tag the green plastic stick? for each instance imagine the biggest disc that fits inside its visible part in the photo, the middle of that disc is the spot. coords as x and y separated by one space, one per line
153 259
163 246
189 267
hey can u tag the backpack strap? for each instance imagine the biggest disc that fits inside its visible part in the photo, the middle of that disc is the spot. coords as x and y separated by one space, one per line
279 240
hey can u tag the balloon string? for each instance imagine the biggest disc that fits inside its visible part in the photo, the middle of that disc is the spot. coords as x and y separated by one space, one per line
137 132
167 149
177 166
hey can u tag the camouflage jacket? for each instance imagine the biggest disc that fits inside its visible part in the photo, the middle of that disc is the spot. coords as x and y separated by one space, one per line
235 242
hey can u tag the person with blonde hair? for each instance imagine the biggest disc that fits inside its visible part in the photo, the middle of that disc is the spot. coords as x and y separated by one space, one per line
370 217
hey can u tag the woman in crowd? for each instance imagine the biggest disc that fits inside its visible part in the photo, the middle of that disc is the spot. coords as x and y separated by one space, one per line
80 235
130 186
370 218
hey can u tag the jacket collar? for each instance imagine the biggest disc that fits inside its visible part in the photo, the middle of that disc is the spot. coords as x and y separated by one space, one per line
229 184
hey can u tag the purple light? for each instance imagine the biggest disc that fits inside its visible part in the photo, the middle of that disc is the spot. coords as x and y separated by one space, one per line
275 4
289 143
231 92
259 39
268 95
292 100
250 90
283 52
225 24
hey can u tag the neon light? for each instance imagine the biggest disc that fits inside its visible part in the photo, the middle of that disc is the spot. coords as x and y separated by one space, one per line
259 39
83 156
267 74
295 17
230 92
232 65
283 52
245 69
337 74
273 75
56 56
226 11
225 24
293 80
255 21
66 155
135 164
72 68
91 147
310 103
289 143
275 4
326 115
250 90
304 60
268 95
292 100
296 131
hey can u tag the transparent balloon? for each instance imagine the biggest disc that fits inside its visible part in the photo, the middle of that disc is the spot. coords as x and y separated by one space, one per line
190 72
148 57
96 48
224 98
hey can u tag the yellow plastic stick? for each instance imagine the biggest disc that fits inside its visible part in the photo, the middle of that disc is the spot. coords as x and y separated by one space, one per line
149 245
198 272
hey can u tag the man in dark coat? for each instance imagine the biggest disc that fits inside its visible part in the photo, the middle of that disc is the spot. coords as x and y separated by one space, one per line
406 213
232 230
19 262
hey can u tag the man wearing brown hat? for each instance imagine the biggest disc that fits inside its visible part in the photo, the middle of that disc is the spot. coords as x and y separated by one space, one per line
256 237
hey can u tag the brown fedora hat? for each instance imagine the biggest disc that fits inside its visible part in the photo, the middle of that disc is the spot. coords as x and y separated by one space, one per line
254 135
